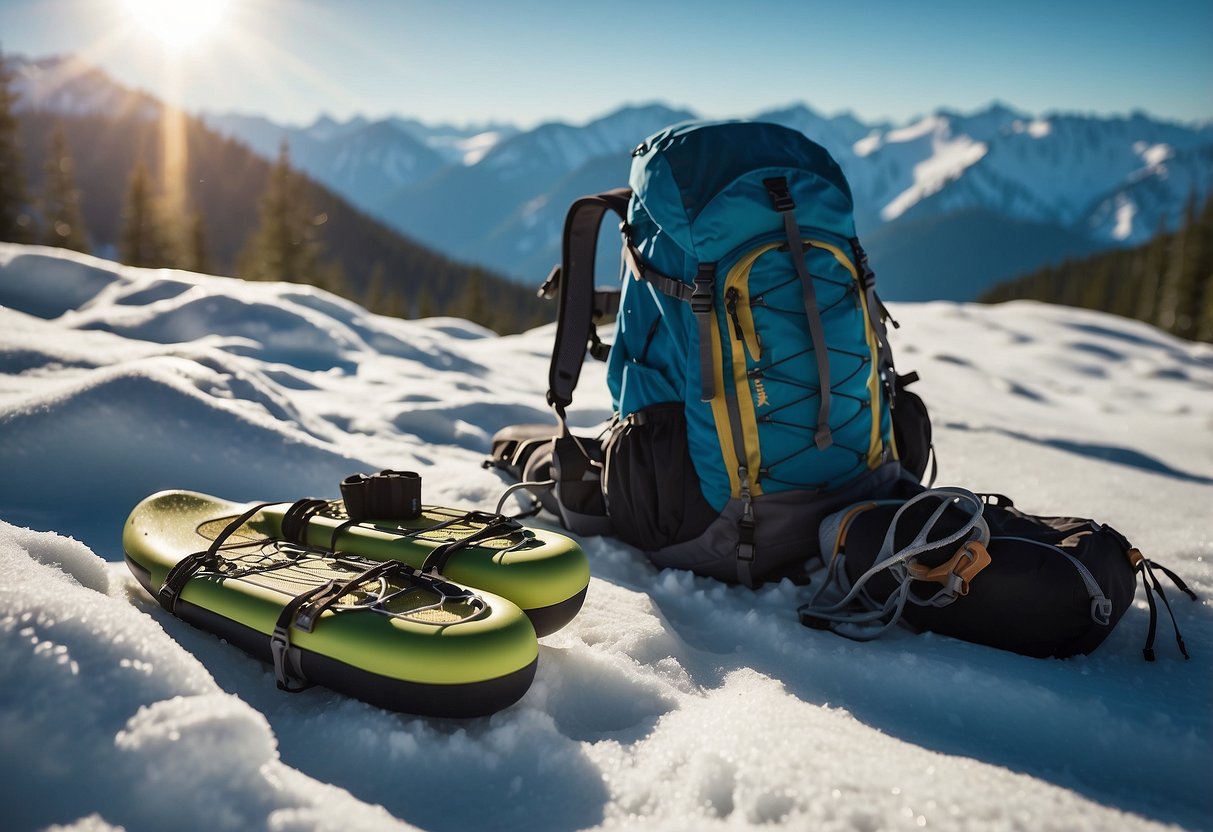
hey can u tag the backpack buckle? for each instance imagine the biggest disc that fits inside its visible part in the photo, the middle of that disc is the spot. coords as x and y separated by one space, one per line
957 572
705 289
745 541
781 197
1101 611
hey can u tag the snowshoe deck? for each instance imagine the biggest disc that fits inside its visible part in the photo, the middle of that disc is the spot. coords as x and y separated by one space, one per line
544 573
389 634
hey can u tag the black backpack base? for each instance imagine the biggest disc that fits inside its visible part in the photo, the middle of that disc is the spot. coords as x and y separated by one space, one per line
783 533
638 484
980 570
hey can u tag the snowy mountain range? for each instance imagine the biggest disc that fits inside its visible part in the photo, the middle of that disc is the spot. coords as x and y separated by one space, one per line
1023 190
1053 186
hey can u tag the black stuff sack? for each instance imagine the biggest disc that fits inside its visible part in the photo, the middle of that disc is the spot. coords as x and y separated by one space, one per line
978 569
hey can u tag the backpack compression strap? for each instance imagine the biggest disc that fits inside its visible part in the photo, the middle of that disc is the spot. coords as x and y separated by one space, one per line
781 201
573 280
698 295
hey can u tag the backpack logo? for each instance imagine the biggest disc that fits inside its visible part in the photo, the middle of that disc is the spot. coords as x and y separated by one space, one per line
761 400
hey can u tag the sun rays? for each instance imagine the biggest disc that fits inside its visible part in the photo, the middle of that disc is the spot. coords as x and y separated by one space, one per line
178 24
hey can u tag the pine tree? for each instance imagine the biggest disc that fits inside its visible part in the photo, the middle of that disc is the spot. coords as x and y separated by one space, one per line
141 240
15 221
1095 288
1203 311
1167 281
330 277
473 305
1192 273
1128 284
1153 268
197 255
284 246
376 299
1171 296
395 307
427 307
63 221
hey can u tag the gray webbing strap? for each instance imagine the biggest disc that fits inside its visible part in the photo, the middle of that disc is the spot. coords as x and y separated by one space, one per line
781 199
702 306
574 281
700 295
669 286
876 314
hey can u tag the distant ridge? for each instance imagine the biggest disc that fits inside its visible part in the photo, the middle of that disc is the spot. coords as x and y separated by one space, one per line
1064 183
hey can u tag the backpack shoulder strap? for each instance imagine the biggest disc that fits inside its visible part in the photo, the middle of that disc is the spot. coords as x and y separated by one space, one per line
573 280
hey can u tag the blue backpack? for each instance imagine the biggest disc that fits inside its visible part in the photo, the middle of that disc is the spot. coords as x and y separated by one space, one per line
750 374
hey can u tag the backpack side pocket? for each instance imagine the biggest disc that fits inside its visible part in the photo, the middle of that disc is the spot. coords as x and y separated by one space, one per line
652 491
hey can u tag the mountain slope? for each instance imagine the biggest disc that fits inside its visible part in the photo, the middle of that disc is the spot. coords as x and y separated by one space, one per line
464 208
959 255
363 161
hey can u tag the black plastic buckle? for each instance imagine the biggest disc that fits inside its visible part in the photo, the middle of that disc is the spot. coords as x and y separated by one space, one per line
279 644
745 540
305 619
284 673
548 290
178 576
781 197
488 518
866 275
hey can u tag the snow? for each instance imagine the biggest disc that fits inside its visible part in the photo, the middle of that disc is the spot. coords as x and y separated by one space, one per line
1126 210
1036 128
473 148
948 162
671 701
868 145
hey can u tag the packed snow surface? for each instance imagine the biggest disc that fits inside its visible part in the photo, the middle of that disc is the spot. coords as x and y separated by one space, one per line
671 702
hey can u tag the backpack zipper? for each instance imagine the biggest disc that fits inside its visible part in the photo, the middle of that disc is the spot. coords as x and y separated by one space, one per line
730 305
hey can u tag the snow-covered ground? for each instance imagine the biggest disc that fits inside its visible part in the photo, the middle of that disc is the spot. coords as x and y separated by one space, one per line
671 702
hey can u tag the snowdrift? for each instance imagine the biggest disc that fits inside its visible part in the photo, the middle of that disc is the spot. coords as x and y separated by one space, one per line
671 702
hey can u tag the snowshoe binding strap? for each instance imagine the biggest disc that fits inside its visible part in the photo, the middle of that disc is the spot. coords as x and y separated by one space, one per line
496 525
181 572
295 520
304 610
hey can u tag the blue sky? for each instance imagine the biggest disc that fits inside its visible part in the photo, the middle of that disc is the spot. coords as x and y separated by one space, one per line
528 61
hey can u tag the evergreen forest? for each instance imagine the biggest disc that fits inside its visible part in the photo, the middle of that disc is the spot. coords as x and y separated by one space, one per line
1167 281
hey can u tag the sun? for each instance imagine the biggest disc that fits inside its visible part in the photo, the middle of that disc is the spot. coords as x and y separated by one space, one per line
177 23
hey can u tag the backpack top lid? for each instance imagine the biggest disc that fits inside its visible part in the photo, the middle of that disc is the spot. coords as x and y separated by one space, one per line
700 181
